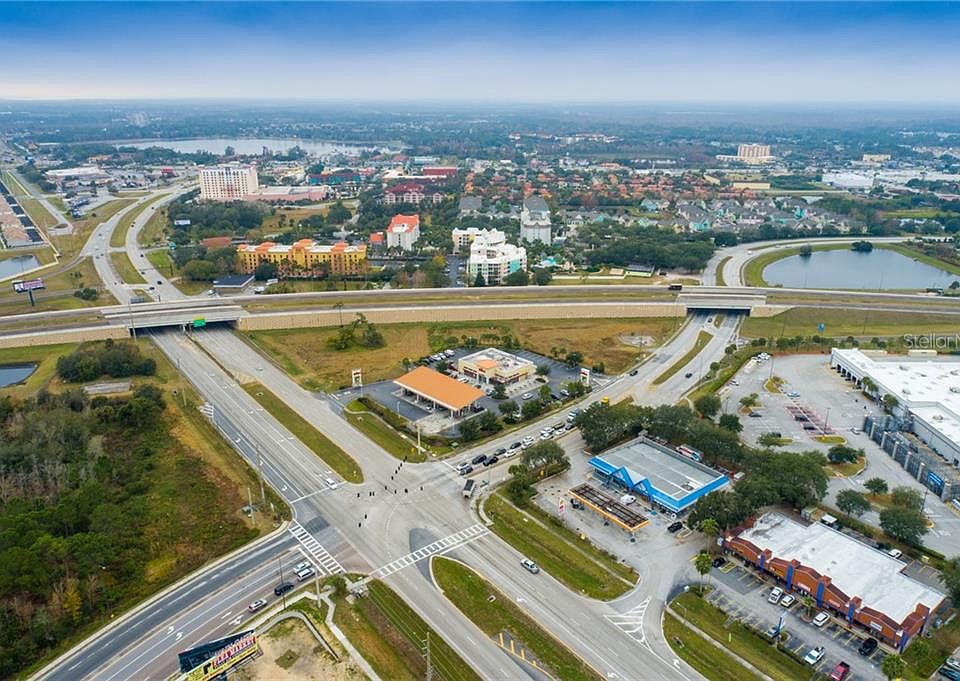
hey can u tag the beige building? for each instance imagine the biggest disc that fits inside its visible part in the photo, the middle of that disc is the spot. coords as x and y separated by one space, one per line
228 182
751 154
496 366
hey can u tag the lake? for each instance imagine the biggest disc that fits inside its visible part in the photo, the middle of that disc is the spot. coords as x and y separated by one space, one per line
13 266
848 269
217 145
11 374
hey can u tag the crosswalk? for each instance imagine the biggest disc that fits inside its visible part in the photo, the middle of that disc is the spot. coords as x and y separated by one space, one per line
448 543
321 557
631 621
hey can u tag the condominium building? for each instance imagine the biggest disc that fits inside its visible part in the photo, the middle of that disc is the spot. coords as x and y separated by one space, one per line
228 181
535 220
750 153
462 238
305 258
403 231
494 259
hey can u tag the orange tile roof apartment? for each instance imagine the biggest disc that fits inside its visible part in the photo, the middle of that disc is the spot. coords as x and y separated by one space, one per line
439 389
305 258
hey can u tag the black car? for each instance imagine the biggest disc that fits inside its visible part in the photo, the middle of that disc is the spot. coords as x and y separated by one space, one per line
719 561
634 372
867 646
516 445
688 374
674 527
755 414
465 470
576 503
500 451
479 458
282 588
492 460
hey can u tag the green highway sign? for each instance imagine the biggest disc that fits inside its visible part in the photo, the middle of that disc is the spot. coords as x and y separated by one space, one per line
199 323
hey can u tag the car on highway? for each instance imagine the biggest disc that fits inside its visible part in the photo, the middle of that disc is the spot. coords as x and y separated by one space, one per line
530 566
464 469
814 655
788 600
303 565
479 458
674 527
527 396
840 672
500 452
282 588
775 595
634 372
491 460
867 646
515 446
821 619
688 374
257 604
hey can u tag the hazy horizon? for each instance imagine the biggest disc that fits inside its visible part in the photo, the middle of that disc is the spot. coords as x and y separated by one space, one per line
714 53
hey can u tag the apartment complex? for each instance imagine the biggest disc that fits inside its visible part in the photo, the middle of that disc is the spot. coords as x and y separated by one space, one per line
403 231
535 221
462 238
228 181
493 258
750 153
305 258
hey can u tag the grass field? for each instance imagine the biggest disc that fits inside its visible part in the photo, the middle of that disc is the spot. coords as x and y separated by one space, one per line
322 446
125 269
575 563
720 265
702 655
738 639
804 321
471 594
304 353
58 294
43 254
382 433
45 357
702 339
164 263
917 254
152 232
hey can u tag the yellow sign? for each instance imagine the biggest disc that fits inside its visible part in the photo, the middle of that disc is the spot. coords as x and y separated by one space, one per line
224 659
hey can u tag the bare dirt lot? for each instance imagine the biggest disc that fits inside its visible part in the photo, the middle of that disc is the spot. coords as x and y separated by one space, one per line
291 653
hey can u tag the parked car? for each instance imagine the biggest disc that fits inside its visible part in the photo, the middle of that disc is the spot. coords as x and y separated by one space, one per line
530 566
465 469
949 673
821 619
840 672
719 561
527 396
302 565
775 595
492 460
674 527
479 458
755 414
502 450
627 499
814 656
515 445
257 604
772 631
867 646
788 600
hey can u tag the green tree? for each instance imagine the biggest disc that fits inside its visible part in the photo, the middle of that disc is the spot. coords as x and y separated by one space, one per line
730 422
809 605
711 530
265 270
843 454
499 392
890 402
703 563
851 502
507 407
518 278
906 497
707 406
750 401
542 277
199 270
906 524
543 369
479 281
950 576
531 409
876 486
338 213
573 358
893 667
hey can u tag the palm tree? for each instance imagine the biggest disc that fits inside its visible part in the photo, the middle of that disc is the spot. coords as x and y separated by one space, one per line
809 605
703 563
710 529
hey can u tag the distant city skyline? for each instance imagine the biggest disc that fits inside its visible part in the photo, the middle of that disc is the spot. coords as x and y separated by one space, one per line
773 53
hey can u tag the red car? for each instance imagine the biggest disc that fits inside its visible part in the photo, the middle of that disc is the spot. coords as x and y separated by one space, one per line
840 672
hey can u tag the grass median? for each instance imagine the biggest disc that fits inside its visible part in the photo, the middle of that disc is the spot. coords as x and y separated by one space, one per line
720 265
371 425
739 639
472 595
702 339
702 655
574 562
119 236
322 446
125 270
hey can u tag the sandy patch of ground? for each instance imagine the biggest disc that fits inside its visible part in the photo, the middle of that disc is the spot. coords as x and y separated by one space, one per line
291 653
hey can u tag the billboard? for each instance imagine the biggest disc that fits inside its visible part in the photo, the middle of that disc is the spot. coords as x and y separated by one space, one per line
22 286
221 660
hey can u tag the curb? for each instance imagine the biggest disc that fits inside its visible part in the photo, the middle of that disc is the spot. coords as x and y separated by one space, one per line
122 619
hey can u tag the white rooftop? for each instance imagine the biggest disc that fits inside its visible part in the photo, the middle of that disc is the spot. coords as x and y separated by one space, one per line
855 568
929 388
505 361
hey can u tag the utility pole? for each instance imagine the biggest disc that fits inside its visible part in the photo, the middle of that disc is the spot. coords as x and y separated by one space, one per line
429 676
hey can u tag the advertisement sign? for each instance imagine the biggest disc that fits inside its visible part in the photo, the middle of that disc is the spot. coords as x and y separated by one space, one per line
584 376
356 378
224 659
22 286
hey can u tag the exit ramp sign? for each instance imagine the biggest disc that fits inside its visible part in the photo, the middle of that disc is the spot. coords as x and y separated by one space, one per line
199 323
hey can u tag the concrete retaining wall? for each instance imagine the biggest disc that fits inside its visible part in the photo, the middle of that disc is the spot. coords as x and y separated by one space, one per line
57 336
461 313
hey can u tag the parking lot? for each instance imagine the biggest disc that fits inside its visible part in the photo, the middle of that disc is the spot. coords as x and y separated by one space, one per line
390 396
742 594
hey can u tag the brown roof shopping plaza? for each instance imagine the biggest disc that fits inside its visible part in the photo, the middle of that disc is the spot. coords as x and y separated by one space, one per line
439 389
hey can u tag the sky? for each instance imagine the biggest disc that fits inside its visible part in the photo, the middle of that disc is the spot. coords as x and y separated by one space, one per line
752 52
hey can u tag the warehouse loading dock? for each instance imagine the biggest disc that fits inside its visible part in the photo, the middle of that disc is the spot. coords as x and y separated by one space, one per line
609 507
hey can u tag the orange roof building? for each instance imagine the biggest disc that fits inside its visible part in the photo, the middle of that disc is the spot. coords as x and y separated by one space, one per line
439 389
496 366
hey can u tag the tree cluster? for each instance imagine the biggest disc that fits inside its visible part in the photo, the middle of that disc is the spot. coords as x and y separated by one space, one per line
359 332
117 360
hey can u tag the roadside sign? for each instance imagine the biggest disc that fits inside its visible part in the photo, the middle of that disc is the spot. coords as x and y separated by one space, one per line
199 323
821 327
356 377
584 376
22 286
560 506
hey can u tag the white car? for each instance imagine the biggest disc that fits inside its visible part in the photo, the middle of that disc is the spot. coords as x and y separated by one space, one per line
303 566
256 605
627 499
527 396
775 595
814 656
788 600
331 483
821 619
